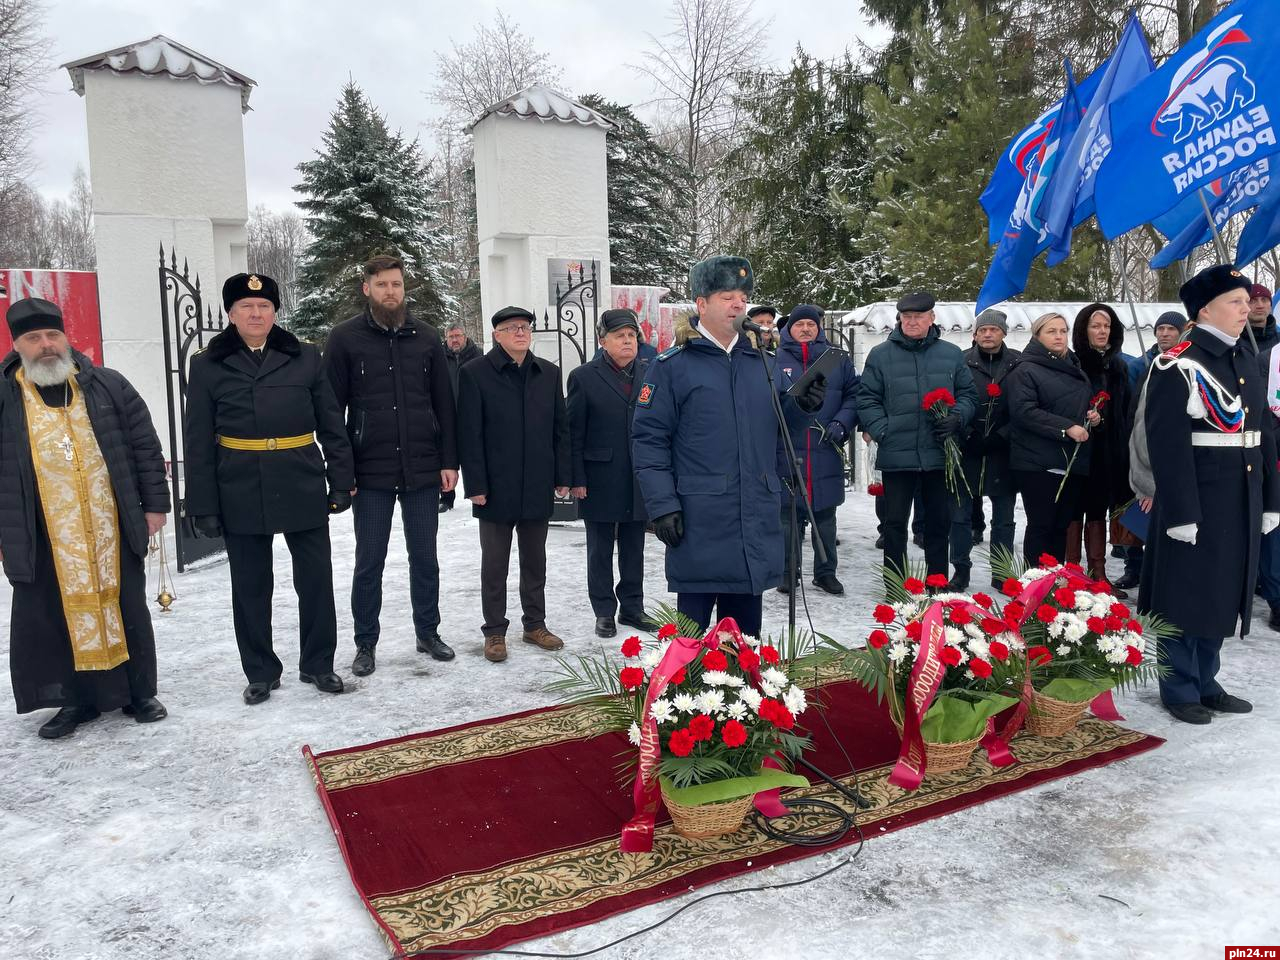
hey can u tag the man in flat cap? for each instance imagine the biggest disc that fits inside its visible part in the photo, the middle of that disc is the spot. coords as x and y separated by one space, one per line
1212 451
704 444
601 404
913 361
513 441
766 315
258 400
82 489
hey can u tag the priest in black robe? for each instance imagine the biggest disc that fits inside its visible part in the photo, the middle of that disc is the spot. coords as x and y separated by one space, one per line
82 491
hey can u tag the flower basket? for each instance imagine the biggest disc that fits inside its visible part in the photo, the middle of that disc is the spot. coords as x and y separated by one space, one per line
1048 717
704 821
944 757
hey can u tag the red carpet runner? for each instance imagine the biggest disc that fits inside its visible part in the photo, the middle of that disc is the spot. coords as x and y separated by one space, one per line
490 833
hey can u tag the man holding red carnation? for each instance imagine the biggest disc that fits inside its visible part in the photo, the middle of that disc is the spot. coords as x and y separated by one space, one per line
915 362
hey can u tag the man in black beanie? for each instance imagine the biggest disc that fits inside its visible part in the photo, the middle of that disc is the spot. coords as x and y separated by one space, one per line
82 489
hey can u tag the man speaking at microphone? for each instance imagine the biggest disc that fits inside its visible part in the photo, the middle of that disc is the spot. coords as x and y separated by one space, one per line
704 446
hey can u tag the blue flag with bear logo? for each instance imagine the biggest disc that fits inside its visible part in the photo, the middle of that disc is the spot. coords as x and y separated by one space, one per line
1227 196
1209 110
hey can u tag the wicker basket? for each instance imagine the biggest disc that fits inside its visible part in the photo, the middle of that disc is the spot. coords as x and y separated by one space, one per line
1048 717
944 757
708 820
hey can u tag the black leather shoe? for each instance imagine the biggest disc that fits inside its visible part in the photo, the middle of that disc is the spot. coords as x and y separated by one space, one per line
1273 621
880 543
639 621
959 581
364 663
1226 703
64 722
325 682
605 627
257 692
147 710
787 588
830 584
1126 582
1189 712
433 645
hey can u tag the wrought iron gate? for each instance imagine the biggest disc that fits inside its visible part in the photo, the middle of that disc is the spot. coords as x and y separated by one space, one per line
186 321
577 315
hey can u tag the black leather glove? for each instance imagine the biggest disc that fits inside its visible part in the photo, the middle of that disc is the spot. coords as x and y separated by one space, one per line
208 526
814 394
944 430
670 528
339 500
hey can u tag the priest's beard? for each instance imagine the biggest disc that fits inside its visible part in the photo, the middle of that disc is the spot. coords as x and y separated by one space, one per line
49 371
390 318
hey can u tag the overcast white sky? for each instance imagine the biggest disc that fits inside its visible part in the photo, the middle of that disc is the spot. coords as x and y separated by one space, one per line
300 53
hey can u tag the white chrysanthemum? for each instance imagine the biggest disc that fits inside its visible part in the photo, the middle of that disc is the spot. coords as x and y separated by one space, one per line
898 636
751 641
650 658
1117 656
715 678
1075 632
662 711
906 609
751 698
1101 605
974 631
737 710
769 689
898 652
709 701
794 701
634 733
725 637
968 675
979 647
1137 640
964 656
774 676
683 702
1011 640
954 636
1084 602
1063 650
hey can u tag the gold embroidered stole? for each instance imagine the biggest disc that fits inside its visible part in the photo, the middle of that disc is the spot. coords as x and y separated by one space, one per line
80 514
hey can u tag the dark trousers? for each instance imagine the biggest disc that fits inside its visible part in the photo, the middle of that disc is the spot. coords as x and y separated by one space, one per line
495 562
252 580
963 511
1269 568
419 512
824 529
979 520
917 515
1193 665
1047 521
629 594
745 608
899 493
1133 555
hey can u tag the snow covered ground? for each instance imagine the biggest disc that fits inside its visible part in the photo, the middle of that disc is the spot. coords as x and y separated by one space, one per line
202 837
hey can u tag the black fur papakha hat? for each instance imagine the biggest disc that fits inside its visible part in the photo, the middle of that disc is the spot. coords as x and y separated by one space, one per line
1209 284
720 273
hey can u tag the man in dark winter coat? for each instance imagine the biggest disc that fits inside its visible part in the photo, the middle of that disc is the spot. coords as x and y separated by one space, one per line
390 379
82 488
1261 321
513 439
986 448
895 378
602 398
258 400
705 444
818 438
1213 458
459 350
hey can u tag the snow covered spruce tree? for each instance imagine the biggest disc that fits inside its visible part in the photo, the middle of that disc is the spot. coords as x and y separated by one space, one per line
646 188
368 191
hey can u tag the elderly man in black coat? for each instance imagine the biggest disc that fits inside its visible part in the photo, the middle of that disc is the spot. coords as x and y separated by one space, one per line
459 350
1212 450
258 400
513 440
82 488
602 404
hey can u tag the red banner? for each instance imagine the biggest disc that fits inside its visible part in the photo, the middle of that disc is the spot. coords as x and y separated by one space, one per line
926 678
74 291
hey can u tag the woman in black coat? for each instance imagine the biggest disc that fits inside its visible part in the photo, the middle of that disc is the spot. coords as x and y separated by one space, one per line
1048 401
1096 337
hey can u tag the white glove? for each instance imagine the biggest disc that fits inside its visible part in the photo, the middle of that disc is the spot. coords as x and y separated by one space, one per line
1270 521
1186 533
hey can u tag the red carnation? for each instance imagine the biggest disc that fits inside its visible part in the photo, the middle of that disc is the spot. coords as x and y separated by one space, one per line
999 650
993 390
1115 623
681 743
733 734
714 660
1099 399
983 600
961 616
914 629
1135 626
1039 655
1047 560
1134 656
1046 613
1014 611
677 678
936 580
1073 567
631 647
875 489
992 626
666 630
980 668
945 396
1011 587
1065 596
878 639
702 727
883 613
631 678
950 656
769 655
1101 586
748 659
913 586
1120 610
776 713
1096 625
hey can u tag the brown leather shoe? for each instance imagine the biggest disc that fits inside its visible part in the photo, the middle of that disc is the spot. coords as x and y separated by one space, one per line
543 638
495 649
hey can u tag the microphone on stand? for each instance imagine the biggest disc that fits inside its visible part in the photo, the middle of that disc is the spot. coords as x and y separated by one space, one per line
745 324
